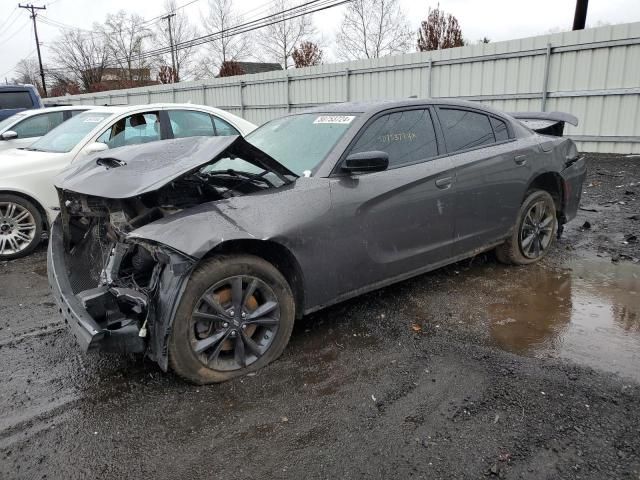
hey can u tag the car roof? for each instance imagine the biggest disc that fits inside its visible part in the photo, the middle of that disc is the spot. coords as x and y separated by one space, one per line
149 106
39 111
17 88
375 106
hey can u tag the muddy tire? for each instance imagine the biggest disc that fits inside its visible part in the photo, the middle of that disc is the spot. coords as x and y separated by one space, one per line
534 232
235 317
20 227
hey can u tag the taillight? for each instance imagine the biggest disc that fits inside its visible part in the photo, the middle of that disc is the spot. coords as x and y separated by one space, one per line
572 155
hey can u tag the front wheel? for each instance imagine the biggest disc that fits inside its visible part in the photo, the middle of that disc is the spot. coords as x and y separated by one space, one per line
534 232
20 227
235 316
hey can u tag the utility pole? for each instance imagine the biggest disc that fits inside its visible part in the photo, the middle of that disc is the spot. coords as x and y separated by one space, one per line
35 30
580 17
173 58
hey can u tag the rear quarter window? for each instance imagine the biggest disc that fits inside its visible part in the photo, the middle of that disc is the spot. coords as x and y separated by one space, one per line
19 99
500 129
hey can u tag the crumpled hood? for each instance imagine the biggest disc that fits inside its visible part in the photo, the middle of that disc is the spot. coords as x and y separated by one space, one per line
130 171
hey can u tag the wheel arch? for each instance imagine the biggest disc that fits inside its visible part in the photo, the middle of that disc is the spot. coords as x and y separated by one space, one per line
38 205
275 253
550 182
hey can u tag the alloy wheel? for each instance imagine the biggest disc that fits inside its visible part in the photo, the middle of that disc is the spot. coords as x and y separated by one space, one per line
537 230
17 228
234 323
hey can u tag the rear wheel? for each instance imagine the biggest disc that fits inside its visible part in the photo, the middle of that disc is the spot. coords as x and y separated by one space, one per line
236 316
20 227
534 231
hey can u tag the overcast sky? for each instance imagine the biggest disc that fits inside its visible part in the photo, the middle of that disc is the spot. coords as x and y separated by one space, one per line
495 19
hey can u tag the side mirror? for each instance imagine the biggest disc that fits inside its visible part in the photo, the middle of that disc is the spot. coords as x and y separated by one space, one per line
9 135
95 147
374 161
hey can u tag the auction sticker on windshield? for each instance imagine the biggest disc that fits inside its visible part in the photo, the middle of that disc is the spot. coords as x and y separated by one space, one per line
342 119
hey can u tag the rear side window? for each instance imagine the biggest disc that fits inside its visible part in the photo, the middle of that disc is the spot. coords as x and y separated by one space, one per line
15 100
408 137
38 125
500 129
464 129
189 123
223 129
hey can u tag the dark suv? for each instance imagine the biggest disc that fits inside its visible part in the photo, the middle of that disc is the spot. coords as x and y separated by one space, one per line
15 98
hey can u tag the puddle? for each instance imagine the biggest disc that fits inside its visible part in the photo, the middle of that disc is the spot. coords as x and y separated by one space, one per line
588 313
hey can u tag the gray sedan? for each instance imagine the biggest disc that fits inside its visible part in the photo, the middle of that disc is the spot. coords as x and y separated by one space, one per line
202 252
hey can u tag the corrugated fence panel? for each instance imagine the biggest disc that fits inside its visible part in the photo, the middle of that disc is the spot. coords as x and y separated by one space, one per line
592 73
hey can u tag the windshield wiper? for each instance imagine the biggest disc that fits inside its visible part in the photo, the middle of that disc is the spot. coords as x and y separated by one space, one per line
243 175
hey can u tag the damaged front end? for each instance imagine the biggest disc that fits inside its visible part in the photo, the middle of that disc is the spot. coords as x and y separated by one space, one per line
117 291
117 294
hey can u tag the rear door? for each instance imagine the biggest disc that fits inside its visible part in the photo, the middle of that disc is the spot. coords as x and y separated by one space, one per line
399 220
490 176
195 123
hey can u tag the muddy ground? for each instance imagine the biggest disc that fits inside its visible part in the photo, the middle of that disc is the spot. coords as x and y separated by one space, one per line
475 371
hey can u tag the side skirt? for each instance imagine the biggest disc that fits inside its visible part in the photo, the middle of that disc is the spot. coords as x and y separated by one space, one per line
402 277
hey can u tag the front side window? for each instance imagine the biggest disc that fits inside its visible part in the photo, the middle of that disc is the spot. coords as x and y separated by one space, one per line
133 130
465 129
12 120
190 123
15 100
38 125
66 136
407 137
301 142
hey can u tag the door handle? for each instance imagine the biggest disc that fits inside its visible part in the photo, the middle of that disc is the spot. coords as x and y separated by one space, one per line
444 182
520 159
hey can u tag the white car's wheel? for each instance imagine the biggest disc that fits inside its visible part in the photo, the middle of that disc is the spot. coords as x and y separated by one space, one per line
20 227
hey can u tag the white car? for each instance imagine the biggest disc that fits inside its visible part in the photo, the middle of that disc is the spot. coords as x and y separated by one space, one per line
28 199
24 128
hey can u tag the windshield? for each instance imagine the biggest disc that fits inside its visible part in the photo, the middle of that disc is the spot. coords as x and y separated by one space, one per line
9 121
64 137
301 142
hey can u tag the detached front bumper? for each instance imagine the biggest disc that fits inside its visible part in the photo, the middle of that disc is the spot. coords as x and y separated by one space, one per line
89 314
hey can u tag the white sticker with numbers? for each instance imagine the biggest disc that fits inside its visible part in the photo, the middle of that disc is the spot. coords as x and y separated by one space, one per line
341 119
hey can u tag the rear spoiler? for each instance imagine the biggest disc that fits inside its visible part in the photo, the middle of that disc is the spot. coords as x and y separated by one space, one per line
546 123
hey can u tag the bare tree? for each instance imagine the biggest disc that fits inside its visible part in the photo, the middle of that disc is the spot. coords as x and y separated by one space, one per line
231 69
126 35
28 71
226 47
373 29
279 39
181 31
440 30
308 54
81 57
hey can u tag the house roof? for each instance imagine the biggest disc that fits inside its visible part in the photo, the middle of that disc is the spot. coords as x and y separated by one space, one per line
259 67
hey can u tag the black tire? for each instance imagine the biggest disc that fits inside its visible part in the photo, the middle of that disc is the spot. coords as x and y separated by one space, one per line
183 358
7 227
515 251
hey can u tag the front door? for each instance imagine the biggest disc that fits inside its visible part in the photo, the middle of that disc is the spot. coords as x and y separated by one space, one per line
392 223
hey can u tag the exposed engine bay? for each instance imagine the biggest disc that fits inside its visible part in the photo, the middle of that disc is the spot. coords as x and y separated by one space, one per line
118 279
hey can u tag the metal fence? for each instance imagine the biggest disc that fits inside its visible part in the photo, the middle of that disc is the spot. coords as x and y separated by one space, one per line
593 74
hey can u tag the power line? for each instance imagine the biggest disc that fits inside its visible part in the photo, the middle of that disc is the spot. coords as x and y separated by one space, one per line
306 8
9 18
161 17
